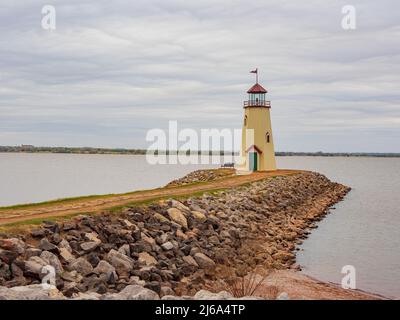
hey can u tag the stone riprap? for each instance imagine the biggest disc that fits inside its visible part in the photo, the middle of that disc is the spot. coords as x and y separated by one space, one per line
202 176
169 248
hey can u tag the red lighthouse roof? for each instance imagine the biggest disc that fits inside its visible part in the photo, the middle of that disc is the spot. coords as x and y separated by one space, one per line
257 88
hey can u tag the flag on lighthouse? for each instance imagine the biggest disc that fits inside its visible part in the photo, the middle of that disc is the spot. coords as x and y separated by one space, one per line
256 72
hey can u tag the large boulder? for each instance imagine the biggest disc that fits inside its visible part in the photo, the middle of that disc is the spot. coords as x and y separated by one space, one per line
153 285
86 296
81 265
203 261
32 252
129 224
122 263
67 226
179 205
125 249
92 236
201 217
7 256
167 245
147 259
166 291
133 292
34 266
105 268
31 292
148 239
66 255
13 244
190 260
207 295
51 259
159 217
5 271
177 216
38 233
46 245
89 246
64 244
72 276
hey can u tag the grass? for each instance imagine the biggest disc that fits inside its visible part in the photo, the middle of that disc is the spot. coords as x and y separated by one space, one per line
241 283
245 286
51 202
99 196
25 224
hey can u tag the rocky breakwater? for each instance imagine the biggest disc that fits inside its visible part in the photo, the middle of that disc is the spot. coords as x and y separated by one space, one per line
202 176
169 248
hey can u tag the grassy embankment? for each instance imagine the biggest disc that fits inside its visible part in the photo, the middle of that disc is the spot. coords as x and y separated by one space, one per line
22 217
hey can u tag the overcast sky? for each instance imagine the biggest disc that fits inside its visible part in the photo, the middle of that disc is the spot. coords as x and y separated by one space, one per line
114 69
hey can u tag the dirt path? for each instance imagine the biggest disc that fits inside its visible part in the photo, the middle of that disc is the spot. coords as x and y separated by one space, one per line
100 203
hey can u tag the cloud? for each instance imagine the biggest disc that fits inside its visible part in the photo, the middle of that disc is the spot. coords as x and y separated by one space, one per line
113 70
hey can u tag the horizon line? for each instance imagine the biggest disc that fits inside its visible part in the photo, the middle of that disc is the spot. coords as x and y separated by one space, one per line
37 149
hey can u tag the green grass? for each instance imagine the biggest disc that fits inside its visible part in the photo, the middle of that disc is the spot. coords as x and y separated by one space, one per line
56 201
18 226
89 197
23 225
101 196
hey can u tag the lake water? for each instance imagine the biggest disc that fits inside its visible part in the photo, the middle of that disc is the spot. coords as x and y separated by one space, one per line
36 177
363 231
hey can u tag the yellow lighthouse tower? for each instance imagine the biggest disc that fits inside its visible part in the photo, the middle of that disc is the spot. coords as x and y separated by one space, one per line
257 150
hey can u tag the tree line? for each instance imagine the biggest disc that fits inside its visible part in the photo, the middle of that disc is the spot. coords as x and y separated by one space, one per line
90 150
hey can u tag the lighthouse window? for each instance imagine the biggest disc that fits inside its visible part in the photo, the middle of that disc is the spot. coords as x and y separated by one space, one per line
257 98
267 137
245 120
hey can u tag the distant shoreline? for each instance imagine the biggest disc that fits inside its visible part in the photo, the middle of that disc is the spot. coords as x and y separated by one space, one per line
122 151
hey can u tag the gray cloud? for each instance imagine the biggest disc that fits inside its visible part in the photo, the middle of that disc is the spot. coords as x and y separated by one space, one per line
113 70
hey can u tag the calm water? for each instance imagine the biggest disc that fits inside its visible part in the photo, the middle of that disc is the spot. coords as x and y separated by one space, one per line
27 178
363 231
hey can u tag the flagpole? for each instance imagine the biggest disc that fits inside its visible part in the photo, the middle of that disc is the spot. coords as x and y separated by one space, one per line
256 72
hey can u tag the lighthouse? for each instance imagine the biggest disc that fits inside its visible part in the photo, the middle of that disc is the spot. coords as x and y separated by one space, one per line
257 150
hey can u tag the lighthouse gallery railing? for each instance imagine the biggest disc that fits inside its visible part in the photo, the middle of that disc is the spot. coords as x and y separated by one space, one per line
252 103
